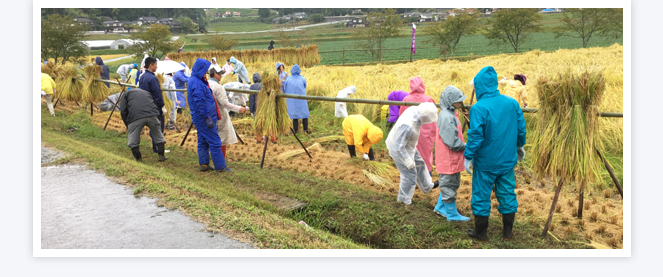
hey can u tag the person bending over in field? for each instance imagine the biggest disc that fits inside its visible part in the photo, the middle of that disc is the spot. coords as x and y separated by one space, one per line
401 143
495 143
341 110
397 95
516 89
428 131
360 134
449 147
138 110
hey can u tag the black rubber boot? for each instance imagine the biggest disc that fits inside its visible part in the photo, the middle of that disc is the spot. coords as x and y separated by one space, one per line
371 155
480 230
436 184
160 150
507 221
137 155
205 167
351 150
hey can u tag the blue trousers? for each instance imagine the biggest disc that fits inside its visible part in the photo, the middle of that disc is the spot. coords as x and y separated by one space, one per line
209 141
482 185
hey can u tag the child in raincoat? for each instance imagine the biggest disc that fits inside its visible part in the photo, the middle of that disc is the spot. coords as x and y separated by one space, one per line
401 143
360 134
47 90
428 131
341 110
449 148
516 88
397 95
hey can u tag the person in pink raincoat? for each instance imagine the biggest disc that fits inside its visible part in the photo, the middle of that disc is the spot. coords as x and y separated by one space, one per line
428 131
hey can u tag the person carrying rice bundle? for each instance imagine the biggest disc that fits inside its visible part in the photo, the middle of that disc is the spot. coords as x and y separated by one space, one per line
495 143
401 143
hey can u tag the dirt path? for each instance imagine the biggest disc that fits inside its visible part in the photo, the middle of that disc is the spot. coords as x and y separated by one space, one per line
82 209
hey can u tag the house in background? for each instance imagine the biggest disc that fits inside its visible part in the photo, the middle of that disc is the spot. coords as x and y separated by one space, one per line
300 15
148 20
356 22
452 13
236 14
217 14
83 21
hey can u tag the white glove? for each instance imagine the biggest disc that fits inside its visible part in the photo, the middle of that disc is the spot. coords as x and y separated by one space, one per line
468 165
365 156
163 110
43 93
411 166
521 153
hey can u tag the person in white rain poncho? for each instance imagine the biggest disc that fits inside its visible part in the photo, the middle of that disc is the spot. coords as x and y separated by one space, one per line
237 98
215 65
401 143
124 70
168 83
240 70
341 107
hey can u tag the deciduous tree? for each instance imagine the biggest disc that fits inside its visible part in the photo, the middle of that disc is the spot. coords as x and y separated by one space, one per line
381 26
446 34
513 26
587 23
61 40
155 40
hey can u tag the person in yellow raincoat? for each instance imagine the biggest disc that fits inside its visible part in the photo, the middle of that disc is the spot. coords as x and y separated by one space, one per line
516 89
360 134
47 90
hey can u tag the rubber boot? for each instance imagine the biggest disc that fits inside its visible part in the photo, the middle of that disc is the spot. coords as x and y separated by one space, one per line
351 150
137 155
439 208
160 150
480 230
225 169
452 213
205 167
371 155
507 221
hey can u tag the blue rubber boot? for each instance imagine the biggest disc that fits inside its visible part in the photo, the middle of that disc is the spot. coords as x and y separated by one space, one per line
439 208
452 213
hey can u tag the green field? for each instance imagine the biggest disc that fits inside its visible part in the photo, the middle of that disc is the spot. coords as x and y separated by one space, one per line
221 26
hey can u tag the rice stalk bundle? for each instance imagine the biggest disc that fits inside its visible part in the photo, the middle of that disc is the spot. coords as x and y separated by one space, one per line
243 121
48 69
271 114
167 103
328 138
306 56
374 167
377 180
568 129
316 147
69 87
95 91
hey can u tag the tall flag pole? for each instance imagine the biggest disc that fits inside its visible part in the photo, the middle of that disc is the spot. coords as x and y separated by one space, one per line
414 51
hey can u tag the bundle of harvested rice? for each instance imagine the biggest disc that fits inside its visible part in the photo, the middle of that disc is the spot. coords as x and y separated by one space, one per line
305 56
374 167
95 91
48 69
271 115
568 128
243 121
377 179
69 87
328 138
289 154
167 103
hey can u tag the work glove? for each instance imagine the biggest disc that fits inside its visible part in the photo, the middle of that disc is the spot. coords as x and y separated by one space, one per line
365 156
43 93
233 72
411 166
468 164
209 123
521 153
163 110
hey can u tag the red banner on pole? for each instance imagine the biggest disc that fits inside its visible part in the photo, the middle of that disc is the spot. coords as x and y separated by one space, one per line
414 30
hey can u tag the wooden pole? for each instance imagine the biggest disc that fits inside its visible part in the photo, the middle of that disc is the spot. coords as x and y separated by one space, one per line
264 151
465 124
300 142
115 104
343 55
91 110
552 209
581 202
239 138
612 175
187 134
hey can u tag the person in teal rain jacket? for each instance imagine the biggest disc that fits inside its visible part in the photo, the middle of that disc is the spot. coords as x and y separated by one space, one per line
297 108
495 143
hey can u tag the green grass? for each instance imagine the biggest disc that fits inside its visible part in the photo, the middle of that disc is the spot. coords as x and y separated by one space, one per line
210 12
105 37
342 215
239 26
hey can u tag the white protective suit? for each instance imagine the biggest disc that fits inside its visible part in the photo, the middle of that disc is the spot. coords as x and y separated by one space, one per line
215 65
168 83
238 99
402 142
341 107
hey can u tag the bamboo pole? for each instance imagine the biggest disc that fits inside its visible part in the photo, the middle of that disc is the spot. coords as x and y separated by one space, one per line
581 202
465 124
552 209
352 100
612 175
300 143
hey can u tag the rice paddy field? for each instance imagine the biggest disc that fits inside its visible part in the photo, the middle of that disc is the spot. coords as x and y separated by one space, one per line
601 227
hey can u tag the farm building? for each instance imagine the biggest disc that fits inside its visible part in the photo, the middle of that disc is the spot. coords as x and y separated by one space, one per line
97 44
122 43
